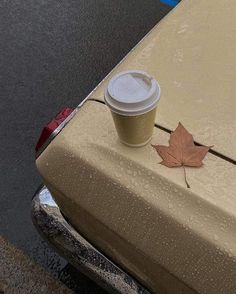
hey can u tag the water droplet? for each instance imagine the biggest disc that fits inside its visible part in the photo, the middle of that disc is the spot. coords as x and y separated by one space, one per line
170 205
117 175
146 186
216 237
47 164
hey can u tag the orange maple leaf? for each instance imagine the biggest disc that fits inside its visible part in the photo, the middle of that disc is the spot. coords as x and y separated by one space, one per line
181 150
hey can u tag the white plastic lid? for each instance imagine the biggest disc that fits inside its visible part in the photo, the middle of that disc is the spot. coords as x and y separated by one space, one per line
132 93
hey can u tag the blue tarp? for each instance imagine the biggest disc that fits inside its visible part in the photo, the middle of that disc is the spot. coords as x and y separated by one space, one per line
170 2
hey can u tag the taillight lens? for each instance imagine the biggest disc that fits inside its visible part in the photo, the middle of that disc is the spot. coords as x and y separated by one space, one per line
51 126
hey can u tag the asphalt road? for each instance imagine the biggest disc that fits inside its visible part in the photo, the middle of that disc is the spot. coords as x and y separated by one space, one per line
52 54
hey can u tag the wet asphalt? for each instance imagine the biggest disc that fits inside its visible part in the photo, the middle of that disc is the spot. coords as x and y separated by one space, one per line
52 54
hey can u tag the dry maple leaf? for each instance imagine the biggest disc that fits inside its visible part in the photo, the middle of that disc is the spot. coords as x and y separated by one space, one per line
181 151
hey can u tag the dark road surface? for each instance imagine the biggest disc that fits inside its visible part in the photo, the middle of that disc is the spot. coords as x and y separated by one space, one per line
52 54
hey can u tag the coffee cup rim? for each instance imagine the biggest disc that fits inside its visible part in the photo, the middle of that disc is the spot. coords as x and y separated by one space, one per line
137 106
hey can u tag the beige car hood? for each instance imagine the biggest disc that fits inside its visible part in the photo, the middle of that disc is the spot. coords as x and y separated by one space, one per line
191 52
140 213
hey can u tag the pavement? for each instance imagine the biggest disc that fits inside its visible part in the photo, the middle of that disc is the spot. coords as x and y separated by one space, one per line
52 54
21 275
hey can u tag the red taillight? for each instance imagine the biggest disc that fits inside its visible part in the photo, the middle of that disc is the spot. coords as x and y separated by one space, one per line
51 126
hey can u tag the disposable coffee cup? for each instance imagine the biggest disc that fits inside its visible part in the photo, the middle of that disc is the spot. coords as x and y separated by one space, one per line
132 97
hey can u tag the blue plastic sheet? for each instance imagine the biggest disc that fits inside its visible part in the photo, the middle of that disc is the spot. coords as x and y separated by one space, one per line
170 2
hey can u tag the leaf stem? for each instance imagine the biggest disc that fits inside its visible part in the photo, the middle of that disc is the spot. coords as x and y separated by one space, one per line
185 178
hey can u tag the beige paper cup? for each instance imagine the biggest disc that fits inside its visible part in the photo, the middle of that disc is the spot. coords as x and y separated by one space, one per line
132 97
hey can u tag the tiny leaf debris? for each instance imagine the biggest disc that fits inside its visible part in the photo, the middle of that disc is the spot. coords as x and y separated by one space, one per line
181 151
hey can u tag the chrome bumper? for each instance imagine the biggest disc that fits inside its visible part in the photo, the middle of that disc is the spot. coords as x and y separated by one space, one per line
52 225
